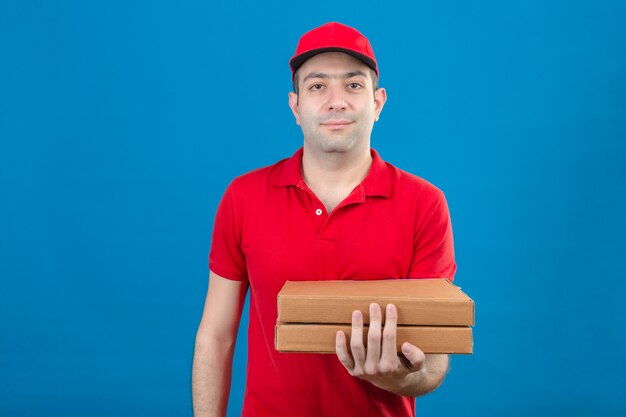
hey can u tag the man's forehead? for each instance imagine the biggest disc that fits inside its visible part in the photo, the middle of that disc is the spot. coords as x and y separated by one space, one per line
333 75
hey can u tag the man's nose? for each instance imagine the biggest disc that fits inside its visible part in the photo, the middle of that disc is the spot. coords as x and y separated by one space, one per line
336 99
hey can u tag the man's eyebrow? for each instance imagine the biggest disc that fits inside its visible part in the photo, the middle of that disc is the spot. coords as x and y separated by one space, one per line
354 74
315 75
325 75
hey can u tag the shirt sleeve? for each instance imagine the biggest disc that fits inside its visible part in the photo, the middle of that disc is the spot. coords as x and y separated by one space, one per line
433 249
226 257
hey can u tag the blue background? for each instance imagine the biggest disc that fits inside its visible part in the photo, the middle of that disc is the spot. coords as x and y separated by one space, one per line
122 122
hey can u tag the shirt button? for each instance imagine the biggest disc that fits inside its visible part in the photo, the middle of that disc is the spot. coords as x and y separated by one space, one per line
318 212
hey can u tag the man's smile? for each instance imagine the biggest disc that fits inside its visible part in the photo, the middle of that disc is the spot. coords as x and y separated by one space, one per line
337 124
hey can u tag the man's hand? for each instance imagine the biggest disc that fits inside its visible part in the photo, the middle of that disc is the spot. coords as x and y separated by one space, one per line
380 364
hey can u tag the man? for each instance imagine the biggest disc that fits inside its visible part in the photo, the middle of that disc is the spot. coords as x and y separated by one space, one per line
334 210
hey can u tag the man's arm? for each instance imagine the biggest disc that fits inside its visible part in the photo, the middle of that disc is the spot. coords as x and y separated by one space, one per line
215 345
411 375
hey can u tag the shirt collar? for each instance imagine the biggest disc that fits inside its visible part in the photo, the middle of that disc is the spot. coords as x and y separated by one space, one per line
376 183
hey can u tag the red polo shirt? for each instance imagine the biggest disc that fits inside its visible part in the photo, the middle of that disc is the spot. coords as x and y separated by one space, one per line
270 228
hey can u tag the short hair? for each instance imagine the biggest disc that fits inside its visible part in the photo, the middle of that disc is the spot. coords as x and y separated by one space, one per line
296 80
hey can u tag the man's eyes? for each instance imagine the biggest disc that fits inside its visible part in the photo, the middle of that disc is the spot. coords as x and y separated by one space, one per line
351 86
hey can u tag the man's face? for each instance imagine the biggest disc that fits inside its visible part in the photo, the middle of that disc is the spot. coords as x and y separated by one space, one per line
335 106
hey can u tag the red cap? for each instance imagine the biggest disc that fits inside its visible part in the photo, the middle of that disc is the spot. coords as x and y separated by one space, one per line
333 37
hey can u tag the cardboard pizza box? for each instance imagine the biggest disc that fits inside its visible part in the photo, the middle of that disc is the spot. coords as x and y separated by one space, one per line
435 302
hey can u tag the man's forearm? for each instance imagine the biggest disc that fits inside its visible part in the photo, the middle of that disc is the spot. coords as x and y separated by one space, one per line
211 377
427 379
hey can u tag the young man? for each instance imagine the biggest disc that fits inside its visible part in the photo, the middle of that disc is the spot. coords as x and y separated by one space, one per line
334 210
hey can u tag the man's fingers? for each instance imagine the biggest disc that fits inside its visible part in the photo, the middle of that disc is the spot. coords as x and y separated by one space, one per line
356 341
389 350
341 347
414 355
373 340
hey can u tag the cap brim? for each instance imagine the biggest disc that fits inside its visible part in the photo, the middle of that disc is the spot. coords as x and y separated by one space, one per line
297 61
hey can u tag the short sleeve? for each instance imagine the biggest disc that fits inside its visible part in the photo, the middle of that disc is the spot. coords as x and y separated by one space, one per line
433 249
226 257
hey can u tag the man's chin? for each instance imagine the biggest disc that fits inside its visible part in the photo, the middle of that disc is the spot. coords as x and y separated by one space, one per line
333 143
337 145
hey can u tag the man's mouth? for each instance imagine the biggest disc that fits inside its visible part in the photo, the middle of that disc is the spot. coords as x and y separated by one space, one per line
337 124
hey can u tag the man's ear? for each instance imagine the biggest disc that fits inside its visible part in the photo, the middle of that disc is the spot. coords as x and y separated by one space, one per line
380 97
293 104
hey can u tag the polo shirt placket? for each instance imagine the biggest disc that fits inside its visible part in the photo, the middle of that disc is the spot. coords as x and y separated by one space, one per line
325 241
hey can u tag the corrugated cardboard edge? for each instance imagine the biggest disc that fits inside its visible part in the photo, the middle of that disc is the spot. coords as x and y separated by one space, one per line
319 338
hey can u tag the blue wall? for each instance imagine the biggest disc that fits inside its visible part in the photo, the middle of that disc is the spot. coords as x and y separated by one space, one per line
122 122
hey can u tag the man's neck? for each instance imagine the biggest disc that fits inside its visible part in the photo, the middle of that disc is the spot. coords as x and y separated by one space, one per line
333 175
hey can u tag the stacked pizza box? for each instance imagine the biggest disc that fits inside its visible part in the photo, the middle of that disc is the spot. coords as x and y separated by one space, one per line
433 314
